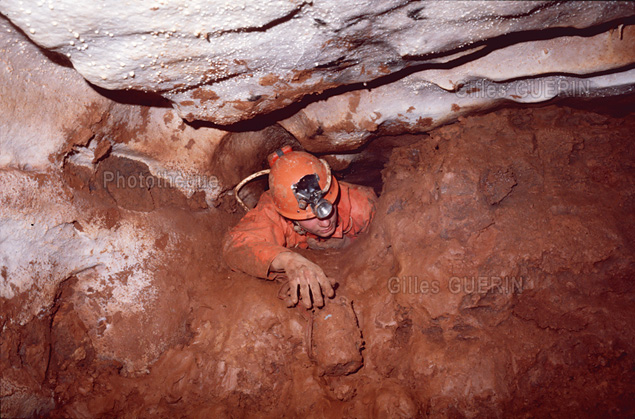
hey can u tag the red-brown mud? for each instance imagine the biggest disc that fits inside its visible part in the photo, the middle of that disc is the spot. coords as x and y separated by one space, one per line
496 281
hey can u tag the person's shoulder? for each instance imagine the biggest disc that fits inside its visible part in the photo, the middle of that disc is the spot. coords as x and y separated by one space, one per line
361 205
361 199
265 208
265 199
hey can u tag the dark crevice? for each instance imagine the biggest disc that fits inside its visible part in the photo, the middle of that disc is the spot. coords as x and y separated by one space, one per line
133 97
57 302
531 35
263 28
414 14
616 106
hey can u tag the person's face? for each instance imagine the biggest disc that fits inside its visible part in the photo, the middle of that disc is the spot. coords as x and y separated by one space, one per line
321 227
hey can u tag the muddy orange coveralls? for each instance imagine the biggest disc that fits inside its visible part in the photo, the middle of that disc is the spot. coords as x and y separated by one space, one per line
263 233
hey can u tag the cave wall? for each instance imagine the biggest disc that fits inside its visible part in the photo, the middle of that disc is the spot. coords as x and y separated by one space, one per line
62 141
496 281
226 62
585 65
56 130
113 296
510 246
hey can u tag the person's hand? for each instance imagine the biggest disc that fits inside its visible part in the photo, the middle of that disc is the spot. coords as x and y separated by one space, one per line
305 278
331 243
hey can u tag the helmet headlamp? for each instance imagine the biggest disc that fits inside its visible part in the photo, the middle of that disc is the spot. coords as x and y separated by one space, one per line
307 192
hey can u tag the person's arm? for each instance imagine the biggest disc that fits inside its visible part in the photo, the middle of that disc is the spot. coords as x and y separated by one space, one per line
256 246
256 240
305 278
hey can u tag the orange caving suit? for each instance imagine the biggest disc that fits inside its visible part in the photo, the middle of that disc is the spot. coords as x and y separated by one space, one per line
263 234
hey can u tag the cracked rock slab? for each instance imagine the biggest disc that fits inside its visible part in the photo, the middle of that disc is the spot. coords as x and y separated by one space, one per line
226 62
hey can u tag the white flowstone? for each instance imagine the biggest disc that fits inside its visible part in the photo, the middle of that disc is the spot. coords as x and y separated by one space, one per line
44 106
429 98
261 56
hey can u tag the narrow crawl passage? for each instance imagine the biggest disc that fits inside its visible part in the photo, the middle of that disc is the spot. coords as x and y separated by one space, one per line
496 279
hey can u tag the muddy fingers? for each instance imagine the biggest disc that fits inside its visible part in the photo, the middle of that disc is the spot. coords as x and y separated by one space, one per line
307 280
316 291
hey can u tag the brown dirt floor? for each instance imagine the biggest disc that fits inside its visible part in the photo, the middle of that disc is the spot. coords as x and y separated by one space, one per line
496 281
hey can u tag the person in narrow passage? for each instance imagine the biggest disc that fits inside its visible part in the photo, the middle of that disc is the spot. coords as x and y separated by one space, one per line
305 207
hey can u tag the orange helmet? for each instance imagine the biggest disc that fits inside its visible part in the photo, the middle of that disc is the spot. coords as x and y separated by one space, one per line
298 182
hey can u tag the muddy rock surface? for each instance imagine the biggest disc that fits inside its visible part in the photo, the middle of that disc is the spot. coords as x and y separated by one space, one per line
229 61
496 281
